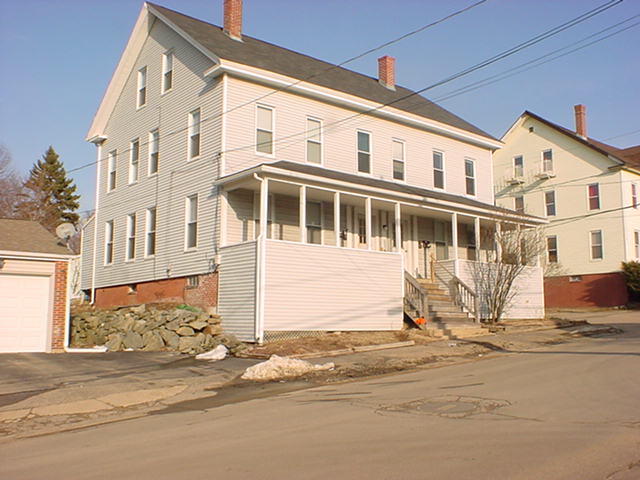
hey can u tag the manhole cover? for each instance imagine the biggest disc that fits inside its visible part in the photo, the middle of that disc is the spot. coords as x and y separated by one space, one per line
447 406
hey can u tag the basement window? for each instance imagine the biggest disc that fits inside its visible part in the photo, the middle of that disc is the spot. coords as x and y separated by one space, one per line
575 278
132 289
193 281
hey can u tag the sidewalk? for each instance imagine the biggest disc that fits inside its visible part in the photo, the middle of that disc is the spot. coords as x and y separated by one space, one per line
41 393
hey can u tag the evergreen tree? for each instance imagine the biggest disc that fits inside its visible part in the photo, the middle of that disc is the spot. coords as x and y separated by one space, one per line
50 196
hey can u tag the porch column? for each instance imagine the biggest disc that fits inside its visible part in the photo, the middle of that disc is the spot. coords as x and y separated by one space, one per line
367 221
497 243
303 214
264 207
398 228
476 231
454 241
336 217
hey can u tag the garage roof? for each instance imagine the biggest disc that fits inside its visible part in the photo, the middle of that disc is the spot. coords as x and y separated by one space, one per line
28 236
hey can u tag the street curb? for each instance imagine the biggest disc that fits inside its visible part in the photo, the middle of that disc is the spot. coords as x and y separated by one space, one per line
335 353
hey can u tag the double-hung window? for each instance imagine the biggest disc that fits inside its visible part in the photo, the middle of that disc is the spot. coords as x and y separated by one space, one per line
150 233
364 152
438 169
552 249
547 161
550 203
134 160
518 166
636 243
154 151
519 203
191 222
167 71
594 196
314 141
142 87
194 134
314 222
130 253
112 166
264 130
108 242
398 159
470 176
596 245
634 195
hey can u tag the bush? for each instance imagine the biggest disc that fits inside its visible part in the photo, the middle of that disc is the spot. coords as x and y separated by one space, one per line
631 272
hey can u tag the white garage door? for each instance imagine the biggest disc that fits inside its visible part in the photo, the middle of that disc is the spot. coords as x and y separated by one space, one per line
24 313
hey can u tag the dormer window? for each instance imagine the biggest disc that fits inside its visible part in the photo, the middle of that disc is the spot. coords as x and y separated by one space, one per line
142 87
167 72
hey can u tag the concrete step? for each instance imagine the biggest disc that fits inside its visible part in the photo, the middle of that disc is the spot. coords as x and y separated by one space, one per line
447 315
443 307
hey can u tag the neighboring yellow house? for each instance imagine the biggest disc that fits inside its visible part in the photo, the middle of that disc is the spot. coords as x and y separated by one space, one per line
589 191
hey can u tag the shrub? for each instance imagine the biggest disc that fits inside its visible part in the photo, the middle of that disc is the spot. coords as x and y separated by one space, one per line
631 272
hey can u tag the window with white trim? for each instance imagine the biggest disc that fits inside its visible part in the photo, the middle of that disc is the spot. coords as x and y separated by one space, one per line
470 176
264 129
552 249
364 152
142 87
150 232
636 243
519 203
191 222
550 203
194 134
314 140
547 161
112 166
518 166
596 245
130 253
314 222
108 242
167 71
154 151
593 192
134 160
438 169
634 195
397 152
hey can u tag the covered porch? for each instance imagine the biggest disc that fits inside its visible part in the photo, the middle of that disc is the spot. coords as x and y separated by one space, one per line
307 253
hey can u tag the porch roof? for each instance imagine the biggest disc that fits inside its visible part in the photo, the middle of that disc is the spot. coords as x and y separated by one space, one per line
325 175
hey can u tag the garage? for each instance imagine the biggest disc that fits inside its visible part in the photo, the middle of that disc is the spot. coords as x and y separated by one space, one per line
34 304
24 313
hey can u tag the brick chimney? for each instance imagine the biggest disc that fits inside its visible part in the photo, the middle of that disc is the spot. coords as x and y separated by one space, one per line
581 120
233 18
387 72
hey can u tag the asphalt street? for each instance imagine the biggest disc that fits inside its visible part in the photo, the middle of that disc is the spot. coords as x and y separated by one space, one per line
567 411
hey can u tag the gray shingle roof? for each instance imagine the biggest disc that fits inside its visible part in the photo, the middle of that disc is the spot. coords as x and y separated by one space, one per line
264 55
28 236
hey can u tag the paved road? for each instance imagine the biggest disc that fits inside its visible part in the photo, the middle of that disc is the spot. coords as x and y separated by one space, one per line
569 411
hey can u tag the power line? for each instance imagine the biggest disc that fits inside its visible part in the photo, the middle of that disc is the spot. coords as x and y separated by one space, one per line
323 71
623 134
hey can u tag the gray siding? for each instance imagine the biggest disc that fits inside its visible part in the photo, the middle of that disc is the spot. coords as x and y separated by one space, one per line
177 177
86 254
238 290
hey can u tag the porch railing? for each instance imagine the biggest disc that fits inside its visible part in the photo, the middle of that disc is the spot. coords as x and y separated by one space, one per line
415 297
462 294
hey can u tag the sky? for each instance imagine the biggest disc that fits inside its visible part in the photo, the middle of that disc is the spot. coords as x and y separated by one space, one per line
57 57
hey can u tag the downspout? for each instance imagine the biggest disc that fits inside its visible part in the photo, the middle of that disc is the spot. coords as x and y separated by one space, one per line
98 144
260 273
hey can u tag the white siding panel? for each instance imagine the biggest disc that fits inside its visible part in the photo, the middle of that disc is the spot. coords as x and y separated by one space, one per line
311 287
237 291
86 255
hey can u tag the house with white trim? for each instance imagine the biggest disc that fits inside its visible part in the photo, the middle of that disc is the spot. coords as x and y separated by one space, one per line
290 194
589 192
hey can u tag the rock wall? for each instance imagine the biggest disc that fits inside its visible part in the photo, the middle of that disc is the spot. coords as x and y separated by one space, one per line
150 328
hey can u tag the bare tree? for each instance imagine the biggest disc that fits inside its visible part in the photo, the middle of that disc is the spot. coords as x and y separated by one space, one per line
10 186
516 249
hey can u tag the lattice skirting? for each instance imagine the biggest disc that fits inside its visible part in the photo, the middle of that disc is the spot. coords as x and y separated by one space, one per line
272 336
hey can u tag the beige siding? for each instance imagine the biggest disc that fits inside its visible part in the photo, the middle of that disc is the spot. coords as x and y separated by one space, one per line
339 141
311 287
29 267
237 294
177 177
631 216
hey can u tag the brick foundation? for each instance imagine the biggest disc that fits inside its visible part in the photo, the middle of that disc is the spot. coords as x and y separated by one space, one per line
59 307
170 290
596 290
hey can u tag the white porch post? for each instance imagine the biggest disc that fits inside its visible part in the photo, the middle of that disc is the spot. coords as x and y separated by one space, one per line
264 207
398 228
476 231
367 222
497 243
336 217
303 214
454 241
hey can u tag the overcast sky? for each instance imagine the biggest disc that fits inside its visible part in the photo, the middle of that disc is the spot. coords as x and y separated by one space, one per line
57 57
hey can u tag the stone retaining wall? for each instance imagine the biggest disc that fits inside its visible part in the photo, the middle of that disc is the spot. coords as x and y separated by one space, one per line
150 328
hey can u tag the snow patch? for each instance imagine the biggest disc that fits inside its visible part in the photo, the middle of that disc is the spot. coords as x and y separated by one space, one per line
280 367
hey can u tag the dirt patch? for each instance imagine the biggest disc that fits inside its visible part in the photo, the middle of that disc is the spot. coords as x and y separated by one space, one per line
329 341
